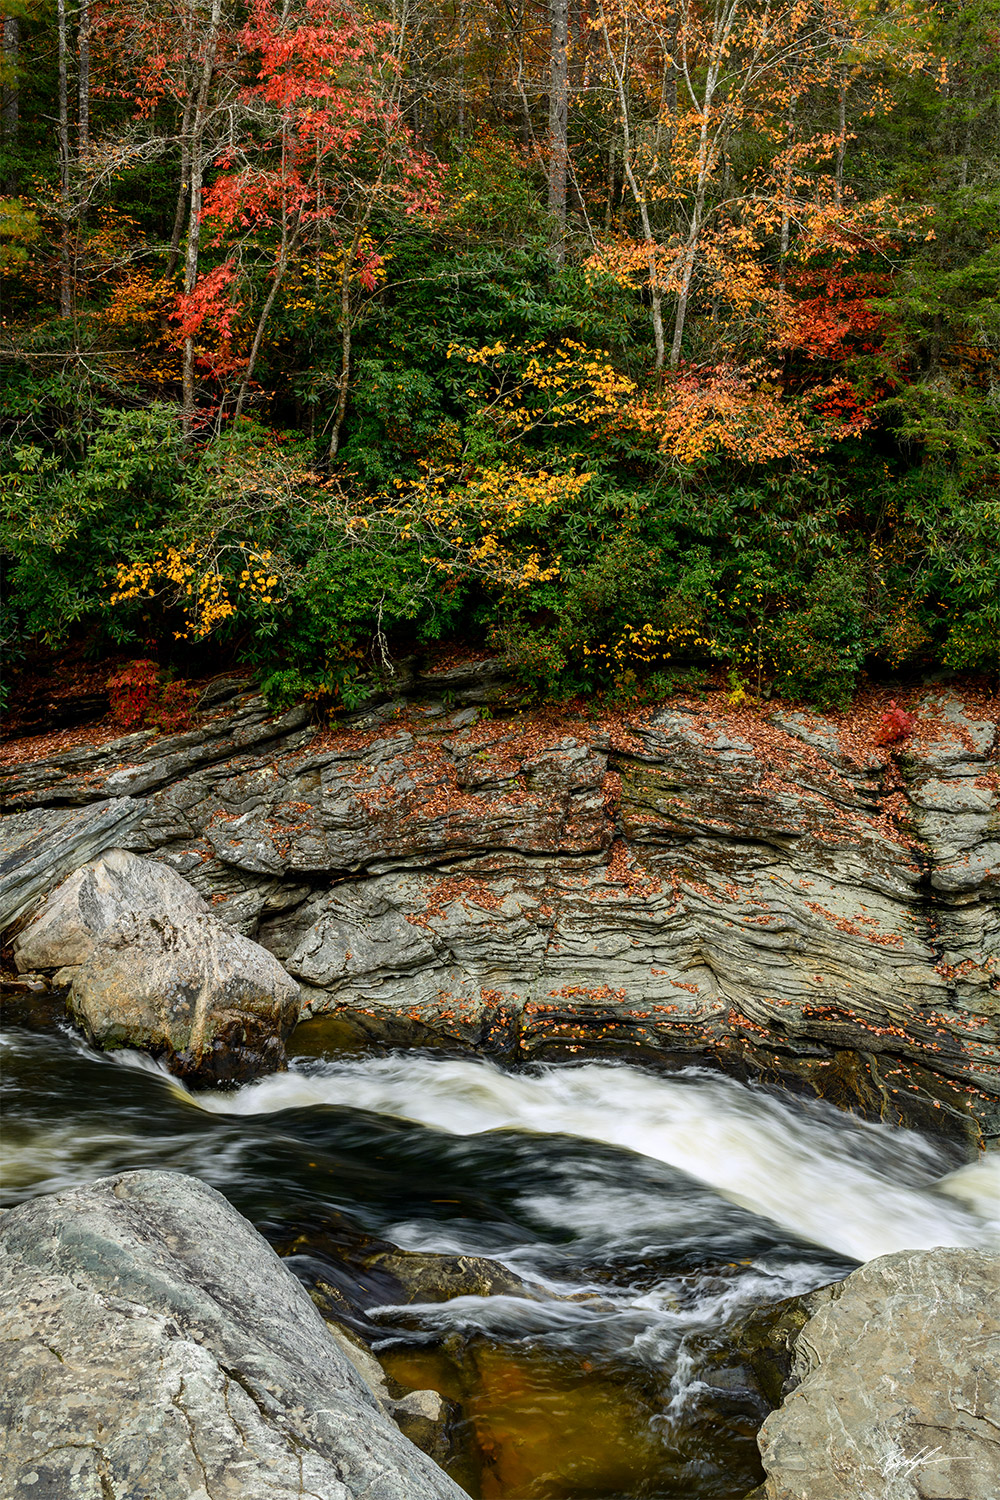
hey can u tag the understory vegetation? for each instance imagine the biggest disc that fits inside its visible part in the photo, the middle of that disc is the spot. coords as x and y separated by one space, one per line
624 339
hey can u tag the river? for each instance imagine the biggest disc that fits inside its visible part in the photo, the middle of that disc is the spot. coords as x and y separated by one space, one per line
642 1213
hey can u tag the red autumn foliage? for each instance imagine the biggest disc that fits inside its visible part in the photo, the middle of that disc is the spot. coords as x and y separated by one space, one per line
836 314
139 697
894 726
172 710
131 692
210 305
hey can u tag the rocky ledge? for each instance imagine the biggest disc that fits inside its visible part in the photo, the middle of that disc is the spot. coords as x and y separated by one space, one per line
771 888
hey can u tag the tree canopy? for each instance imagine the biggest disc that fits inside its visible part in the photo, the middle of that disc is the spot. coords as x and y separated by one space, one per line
632 338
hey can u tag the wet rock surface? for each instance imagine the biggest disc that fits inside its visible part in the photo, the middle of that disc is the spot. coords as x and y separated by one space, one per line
148 965
154 1344
896 1386
806 908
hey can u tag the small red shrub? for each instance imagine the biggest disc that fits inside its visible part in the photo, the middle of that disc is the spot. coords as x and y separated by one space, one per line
173 710
895 725
131 691
138 697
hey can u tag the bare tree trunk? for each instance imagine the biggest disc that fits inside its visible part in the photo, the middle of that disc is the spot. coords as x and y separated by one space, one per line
841 138
258 337
683 297
558 120
183 189
706 151
578 49
786 203
10 106
345 356
65 283
639 197
197 173
289 239
609 208
461 73
83 80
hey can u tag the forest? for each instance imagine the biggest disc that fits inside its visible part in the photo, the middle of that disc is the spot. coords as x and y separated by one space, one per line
635 341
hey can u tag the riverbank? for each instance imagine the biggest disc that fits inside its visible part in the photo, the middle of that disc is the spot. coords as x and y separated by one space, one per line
775 891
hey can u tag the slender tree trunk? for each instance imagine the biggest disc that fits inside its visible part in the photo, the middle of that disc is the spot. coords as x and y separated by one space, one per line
609 208
183 188
683 297
83 80
65 280
639 197
289 239
558 120
578 48
527 129
345 356
786 193
191 275
841 138
287 247
10 106
706 153
196 177
461 72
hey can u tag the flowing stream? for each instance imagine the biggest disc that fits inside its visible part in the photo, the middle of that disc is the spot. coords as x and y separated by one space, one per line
638 1216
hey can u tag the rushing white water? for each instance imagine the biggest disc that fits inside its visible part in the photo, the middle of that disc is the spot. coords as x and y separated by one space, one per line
643 1214
859 1190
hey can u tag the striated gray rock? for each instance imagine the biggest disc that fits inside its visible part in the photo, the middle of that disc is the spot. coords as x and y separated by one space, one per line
154 1345
898 1386
765 886
40 847
149 966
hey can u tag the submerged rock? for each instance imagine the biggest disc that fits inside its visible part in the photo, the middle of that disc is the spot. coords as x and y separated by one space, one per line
156 1346
148 965
898 1386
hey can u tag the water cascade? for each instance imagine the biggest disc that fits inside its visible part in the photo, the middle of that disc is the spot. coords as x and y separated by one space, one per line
639 1218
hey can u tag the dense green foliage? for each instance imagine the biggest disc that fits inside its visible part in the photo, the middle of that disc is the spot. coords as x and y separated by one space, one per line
518 497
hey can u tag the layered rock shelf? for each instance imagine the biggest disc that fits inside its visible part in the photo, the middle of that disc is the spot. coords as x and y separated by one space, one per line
768 887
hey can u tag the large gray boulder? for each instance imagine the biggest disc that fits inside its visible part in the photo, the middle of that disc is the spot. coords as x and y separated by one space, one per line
150 966
899 1386
155 1346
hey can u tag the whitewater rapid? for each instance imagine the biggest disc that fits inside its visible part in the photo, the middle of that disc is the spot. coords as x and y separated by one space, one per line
859 1190
642 1212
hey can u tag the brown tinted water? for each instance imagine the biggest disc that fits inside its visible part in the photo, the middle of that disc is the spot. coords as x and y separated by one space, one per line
579 1244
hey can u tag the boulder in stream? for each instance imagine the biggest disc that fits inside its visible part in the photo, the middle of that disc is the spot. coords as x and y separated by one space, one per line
897 1393
149 965
156 1346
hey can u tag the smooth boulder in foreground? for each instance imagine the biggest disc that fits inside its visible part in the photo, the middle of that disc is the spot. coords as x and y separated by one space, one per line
898 1394
150 966
154 1345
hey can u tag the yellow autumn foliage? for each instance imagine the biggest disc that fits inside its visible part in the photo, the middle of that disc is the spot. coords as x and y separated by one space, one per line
190 578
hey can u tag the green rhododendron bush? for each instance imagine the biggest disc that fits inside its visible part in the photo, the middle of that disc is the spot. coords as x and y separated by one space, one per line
324 341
